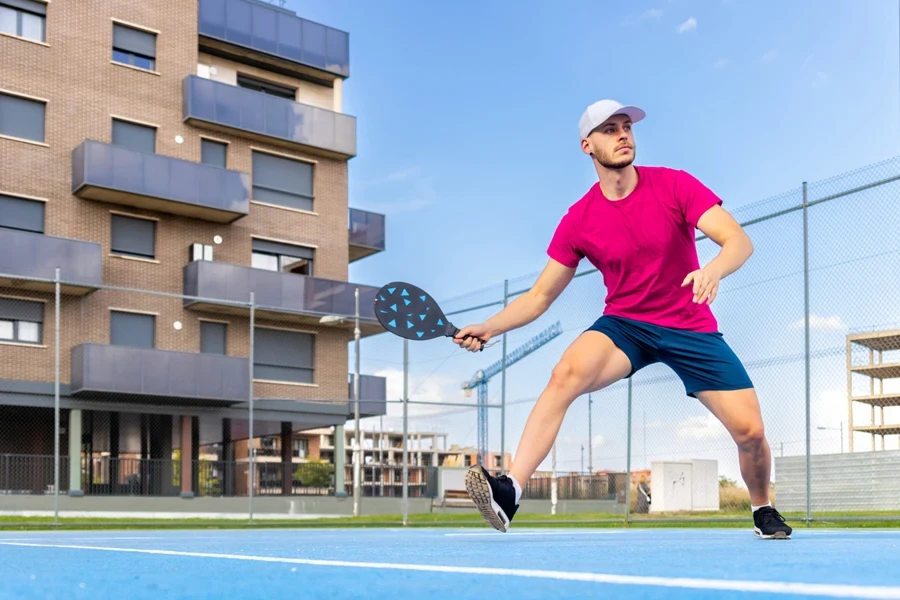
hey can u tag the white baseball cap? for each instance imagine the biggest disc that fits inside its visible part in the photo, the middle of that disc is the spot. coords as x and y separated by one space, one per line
598 112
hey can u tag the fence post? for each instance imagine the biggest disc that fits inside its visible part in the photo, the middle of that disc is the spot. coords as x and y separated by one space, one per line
250 453
405 430
357 448
503 389
56 336
554 483
628 460
806 347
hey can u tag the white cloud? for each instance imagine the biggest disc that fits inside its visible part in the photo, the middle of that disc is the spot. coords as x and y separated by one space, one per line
688 25
653 13
597 441
435 388
821 323
770 56
721 63
702 428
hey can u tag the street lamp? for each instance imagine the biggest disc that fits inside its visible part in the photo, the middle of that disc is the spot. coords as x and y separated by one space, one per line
841 429
356 445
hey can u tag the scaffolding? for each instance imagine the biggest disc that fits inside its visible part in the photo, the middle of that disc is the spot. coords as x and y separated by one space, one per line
877 343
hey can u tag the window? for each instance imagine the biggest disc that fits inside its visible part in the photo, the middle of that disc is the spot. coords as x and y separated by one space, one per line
282 181
19 213
283 355
133 236
134 47
132 329
266 87
212 337
275 256
212 153
140 138
300 447
22 118
21 321
24 18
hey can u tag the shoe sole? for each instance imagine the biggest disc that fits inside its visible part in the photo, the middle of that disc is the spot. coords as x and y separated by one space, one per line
778 535
480 491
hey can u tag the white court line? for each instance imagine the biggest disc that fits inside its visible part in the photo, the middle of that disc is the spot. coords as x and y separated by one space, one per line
770 587
80 539
604 532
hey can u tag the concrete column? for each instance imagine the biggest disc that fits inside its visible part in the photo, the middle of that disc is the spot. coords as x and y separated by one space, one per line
338 95
228 469
339 460
187 459
287 461
75 453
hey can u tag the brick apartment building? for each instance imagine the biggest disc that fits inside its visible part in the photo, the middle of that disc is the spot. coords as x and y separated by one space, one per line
184 147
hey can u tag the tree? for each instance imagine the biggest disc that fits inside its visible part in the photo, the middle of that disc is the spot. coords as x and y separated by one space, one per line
317 474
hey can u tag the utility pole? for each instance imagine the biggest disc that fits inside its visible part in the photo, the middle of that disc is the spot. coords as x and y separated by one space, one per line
590 437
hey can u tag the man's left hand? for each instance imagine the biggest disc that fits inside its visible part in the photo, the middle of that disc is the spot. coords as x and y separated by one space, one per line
706 284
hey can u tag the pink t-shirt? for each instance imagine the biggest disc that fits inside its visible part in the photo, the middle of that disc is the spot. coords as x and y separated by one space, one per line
643 245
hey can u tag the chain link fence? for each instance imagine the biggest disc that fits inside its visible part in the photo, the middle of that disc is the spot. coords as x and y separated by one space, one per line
118 402
812 316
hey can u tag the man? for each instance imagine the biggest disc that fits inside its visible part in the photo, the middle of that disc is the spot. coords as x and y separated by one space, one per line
636 225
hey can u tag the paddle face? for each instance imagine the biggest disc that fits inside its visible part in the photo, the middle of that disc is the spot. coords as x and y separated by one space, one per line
408 311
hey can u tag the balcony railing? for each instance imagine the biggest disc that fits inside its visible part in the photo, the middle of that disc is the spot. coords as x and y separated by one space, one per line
284 296
28 254
121 175
251 30
148 374
372 396
223 107
367 233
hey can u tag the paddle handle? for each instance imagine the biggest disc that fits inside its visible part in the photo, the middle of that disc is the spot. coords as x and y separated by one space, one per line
453 330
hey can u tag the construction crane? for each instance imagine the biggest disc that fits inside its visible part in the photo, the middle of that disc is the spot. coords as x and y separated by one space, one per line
482 376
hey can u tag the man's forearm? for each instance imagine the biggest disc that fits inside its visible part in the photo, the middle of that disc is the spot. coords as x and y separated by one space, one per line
734 253
521 311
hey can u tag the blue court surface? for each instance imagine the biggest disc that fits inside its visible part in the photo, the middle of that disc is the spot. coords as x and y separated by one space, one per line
450 563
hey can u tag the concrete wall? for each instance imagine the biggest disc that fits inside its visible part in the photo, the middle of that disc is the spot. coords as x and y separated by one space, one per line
859 481
298 507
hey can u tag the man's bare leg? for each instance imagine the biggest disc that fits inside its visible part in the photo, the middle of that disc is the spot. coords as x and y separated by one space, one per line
739 412
590 363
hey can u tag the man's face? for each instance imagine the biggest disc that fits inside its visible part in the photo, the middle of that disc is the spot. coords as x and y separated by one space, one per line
612 144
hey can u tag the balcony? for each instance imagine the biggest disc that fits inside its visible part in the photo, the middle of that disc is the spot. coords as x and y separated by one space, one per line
34 255
122 373
225 288
120 175
227 108
273 38
366 234
372 396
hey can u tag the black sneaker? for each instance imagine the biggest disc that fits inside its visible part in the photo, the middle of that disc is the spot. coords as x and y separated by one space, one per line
770 525
495 497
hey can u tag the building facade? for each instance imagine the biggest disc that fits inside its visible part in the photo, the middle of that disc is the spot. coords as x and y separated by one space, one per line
181 167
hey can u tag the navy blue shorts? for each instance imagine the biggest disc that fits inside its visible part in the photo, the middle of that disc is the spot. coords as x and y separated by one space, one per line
703 361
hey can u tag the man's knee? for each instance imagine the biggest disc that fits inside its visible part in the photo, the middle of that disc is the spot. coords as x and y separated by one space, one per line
566 375
750 435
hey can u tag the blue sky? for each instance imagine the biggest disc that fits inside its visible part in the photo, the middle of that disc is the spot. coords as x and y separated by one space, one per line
458 136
